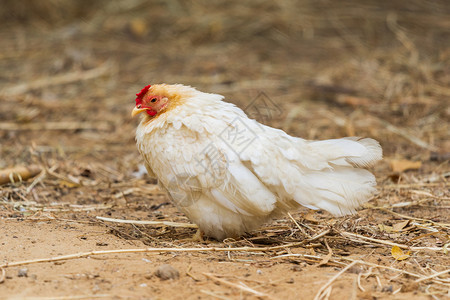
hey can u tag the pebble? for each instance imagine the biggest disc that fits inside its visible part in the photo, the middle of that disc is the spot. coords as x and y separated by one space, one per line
167 272
387 289
23 272
296 268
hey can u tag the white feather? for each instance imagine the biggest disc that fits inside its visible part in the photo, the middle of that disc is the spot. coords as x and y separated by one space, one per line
240 188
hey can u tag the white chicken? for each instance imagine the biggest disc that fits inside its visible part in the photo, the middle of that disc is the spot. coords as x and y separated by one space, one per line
229 174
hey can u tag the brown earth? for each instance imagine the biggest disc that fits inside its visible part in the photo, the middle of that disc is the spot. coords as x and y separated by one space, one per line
329 69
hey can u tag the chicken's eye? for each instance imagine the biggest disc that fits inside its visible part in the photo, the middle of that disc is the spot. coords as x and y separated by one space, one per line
153 100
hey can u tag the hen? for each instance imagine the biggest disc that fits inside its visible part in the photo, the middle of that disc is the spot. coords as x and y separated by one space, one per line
229 174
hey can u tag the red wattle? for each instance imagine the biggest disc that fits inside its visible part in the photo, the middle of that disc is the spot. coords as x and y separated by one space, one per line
151 112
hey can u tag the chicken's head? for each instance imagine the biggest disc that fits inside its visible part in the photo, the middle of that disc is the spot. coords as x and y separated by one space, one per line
149 102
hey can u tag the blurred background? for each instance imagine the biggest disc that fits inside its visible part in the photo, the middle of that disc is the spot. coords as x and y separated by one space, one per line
316 69
70 70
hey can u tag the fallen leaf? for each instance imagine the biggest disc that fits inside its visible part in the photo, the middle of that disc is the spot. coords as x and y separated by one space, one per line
327 258
385 228
138 27
68 184
401 165
310 217
400 226
398 253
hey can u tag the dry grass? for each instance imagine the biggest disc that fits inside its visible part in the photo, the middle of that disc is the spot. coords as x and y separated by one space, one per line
334 69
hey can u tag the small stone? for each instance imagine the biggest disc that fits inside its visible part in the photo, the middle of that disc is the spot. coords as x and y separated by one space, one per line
23 272
356 269
92 276
290 281
259 272
387 289
296 268
166 271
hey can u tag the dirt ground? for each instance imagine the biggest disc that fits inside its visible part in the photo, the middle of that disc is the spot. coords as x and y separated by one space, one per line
70 70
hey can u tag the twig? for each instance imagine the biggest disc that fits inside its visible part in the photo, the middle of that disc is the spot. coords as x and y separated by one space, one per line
434 275
397 291
318 236
410 185
326 294
413 139
153 190
57 80
210 293
148 250
325 287
188 225
378 280
62 177
151 237
408 217
359 283
354 260
385 267
349 234
238 286
156 223
298 225
122 234
38 179
188 273
73 207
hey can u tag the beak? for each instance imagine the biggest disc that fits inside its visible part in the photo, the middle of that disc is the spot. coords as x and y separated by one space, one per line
137 111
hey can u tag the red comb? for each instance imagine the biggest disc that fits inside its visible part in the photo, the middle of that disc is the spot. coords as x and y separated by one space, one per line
141 94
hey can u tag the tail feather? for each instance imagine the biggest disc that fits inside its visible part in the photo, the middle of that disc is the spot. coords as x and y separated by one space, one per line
353 150
345 187
369 157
